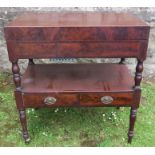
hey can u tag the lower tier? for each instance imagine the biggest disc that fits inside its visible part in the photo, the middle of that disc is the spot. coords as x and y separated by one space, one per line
51 85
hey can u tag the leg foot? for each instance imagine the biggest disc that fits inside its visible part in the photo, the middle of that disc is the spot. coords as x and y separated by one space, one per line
26 137
22 115
133 112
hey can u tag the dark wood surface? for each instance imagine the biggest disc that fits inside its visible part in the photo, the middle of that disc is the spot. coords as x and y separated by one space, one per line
113 49
77 78
119 99
85 35
36 100
77 85
76 19
76 35
73 34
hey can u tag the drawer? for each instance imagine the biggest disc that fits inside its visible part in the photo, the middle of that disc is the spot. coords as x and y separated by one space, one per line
106 99
49 100
115 49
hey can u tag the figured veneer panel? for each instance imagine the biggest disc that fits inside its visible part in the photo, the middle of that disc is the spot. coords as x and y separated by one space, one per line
94 99
35 100
76 26
115 49
74 34
71 34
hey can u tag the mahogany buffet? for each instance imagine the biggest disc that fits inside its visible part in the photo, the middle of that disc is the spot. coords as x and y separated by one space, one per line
77 35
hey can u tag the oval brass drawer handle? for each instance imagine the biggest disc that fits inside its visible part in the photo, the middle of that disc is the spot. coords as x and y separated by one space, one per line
107 99
50 100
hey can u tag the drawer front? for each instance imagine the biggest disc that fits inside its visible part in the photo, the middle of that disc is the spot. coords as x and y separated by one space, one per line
77 49
55 34
49 100
106 99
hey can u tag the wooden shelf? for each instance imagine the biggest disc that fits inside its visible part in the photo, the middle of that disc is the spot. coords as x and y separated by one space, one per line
45 78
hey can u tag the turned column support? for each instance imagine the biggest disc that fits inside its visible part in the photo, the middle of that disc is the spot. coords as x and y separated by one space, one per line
16 75
133 111
138 74
19 101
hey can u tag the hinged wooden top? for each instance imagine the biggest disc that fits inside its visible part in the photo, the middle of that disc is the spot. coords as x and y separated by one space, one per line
76 26
76 34
76 19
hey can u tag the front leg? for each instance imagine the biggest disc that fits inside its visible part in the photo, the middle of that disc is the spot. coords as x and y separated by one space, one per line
22 116
133 112
137 89
19 100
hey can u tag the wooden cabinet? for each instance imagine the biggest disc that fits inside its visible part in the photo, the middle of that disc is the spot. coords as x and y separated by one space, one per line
77 35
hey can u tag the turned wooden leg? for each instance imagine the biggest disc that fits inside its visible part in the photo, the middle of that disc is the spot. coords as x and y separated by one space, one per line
122 61
133 112
138 78
19 100
22 115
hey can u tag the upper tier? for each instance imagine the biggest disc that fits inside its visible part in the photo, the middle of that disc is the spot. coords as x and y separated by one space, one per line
78 35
